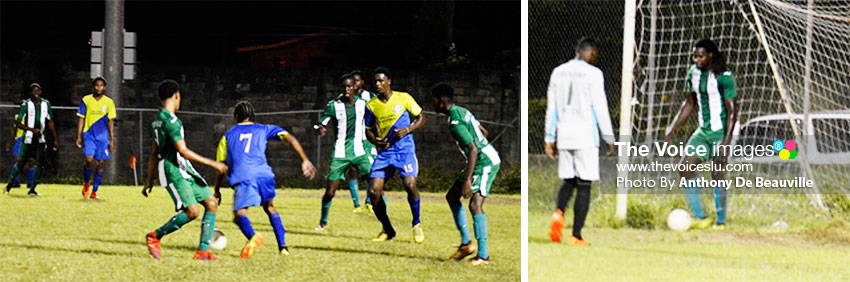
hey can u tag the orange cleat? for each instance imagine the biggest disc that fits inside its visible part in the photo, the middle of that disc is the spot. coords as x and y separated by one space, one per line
576 242
252 244
204 255
86 190
94 196
557 226
153 245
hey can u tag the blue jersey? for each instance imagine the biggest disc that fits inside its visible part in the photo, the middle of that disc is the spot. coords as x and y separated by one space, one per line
243 149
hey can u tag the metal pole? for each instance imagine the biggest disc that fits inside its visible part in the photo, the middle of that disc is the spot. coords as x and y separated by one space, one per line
807 78
626 100
652 73
141 150
113 61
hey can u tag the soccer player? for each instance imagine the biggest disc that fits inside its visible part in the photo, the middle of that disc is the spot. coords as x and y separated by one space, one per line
18 135
351 149
243 149
390 119
357 75
710 87
35 115
94 134
482 165
352 176
577 109
177 175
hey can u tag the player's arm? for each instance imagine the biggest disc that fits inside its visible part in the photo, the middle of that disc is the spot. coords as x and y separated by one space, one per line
551 120
151 170
599 104
306 166
684 111
727 86
195 157
109 124
80 123
484 131
418 122
220 156
472 159
370 122
321 127
55 136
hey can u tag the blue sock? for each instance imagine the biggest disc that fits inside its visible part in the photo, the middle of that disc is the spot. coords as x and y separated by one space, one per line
33 181
720 196
279 231
86 174
30 173
352 185
245 225
459 215
16 178
96 183
694 198
14 174
479 223
414 210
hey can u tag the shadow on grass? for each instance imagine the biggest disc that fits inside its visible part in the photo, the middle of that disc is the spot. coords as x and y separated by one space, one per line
361 251
76 251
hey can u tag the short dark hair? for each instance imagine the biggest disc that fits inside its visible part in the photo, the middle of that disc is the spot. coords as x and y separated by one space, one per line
345 76
443 90
356 72
383 70
93 82
244 110
167 88
586 42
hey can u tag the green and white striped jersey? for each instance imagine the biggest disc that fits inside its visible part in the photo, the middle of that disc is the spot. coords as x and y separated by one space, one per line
710 90
465 128
35 116
167 129
349 127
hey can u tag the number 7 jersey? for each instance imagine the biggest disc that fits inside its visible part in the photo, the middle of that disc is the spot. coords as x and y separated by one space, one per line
243 149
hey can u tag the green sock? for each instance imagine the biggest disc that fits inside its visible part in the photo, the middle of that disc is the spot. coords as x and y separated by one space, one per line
172 225
352 186
207 228
326 207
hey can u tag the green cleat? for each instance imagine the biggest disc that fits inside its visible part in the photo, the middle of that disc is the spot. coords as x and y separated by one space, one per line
418 233
702 223
718 227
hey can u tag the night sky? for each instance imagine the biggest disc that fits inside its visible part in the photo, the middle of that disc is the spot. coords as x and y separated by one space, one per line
208 33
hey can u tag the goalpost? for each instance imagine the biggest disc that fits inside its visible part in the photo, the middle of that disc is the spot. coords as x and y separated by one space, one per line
791 60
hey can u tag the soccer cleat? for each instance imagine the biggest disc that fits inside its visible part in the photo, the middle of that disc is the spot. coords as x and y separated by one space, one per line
323 227
86 190
476 261
557 226
463 251
284 250
153 245
418 233
33 193
367 208
702 223
203 255
576 242
94 196
718 227
252 244
16 184
8 188
384 236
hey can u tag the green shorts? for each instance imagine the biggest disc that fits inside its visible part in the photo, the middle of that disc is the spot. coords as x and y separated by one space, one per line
482 178
186 192
339 166
31 151
707 139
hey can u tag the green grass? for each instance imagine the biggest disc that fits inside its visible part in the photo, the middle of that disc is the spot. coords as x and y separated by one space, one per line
60 236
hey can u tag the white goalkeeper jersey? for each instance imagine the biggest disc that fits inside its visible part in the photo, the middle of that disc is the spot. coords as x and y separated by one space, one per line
576 106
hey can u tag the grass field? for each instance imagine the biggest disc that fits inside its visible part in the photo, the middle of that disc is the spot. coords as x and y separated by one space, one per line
60 236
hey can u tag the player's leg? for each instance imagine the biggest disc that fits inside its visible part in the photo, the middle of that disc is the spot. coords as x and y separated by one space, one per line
37 154
580 208
567 172
337 169
362 167
187 210
98 177
15 151
247 195
453 197
351 178
203 195
483 177
721 194
89 149
268 193
14 174
409 167
381 169
693 194
586 163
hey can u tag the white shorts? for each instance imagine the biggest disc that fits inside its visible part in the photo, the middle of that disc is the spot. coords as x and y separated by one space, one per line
583 163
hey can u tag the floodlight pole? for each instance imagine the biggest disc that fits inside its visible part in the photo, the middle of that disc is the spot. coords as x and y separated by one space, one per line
113 65
627 80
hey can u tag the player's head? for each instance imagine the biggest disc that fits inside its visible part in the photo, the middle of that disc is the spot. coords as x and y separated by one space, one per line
349 85
383 79
169 90
357 75
35 90
442 97
708 57
243 111
99 85
587 49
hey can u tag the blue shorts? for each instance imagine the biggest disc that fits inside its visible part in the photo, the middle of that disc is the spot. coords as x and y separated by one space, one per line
387 162
96 148
251 193
17 147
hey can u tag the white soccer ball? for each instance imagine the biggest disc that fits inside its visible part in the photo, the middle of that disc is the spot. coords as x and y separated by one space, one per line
218 241
679 220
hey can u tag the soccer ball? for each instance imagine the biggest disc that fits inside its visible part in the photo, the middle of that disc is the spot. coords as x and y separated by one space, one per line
679 220
218 241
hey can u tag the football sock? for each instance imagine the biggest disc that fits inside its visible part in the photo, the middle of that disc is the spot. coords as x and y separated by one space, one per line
380 209
172 225
368 200
720 196
96 183
16 178
14 174
86 174
33 181
279 231
414 209
326 207
565 193
459 215
245 226
352 185
207 228
580 207
30 173
479 223
693 196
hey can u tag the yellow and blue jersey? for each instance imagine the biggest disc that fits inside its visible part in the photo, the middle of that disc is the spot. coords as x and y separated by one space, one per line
96 115
18 133
396 113
243 149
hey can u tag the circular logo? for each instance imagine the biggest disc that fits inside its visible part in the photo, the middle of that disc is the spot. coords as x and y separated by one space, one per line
784 154
778 145
397 109
790 145
103 108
